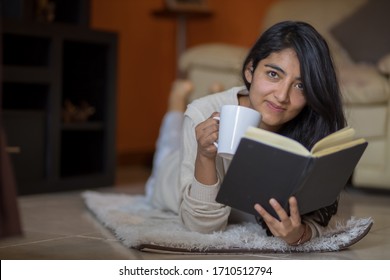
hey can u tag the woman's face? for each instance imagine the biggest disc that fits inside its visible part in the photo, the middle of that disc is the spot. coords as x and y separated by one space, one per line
276 89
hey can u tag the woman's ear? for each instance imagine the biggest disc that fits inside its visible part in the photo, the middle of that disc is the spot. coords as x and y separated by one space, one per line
249 72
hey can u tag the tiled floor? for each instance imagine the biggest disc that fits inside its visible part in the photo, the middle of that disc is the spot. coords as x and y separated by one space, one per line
58 226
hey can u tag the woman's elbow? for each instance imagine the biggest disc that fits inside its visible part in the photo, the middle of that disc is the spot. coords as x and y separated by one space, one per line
203 224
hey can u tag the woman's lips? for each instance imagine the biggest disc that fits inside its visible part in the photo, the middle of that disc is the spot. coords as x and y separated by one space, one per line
275 107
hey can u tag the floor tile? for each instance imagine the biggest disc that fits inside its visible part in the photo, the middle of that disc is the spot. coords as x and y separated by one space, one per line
68 248
59 226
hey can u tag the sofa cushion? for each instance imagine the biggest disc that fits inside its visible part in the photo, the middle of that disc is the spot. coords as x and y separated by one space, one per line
221 56
365 34
363 84
368 121
210 64
206 77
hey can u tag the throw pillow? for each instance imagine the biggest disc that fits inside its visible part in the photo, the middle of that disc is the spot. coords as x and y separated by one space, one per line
365 34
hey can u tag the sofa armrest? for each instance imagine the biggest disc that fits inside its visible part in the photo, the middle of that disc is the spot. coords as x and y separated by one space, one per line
363 84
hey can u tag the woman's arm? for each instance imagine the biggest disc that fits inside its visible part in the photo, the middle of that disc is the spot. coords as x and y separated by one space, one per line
200 182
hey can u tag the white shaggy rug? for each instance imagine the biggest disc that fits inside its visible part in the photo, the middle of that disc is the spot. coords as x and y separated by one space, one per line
137 225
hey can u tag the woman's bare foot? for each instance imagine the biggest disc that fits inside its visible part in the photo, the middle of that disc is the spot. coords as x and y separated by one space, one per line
178 97
216 87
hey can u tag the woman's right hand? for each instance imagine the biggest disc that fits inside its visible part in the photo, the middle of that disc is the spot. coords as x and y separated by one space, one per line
206 134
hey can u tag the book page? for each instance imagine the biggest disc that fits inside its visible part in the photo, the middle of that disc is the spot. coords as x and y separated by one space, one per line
339 147
276 140
341 136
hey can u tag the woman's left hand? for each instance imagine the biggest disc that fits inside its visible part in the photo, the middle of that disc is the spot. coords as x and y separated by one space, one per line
289 228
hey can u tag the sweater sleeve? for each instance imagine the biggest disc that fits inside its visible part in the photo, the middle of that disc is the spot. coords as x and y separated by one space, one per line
317 230
198 209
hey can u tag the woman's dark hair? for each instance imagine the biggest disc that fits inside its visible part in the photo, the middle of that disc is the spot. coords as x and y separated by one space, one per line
323 113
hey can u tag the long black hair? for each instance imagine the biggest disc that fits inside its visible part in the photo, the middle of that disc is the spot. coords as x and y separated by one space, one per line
323 113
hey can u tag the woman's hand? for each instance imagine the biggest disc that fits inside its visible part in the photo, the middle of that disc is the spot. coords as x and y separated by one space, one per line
206 134
289 228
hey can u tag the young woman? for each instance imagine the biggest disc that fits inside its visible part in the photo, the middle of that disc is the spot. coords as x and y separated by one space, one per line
290 79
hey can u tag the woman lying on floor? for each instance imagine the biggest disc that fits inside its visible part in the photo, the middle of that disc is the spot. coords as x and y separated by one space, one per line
289 78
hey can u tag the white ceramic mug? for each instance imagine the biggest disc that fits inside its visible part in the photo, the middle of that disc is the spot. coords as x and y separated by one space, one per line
233 122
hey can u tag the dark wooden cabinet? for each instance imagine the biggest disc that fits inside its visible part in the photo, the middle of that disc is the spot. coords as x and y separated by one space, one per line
51 69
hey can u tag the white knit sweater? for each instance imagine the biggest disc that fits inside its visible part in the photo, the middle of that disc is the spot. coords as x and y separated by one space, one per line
176 188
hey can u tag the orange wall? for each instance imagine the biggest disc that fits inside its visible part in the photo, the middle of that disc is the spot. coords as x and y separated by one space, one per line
146 57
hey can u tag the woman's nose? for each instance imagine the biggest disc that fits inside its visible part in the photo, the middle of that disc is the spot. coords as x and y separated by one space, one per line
282 95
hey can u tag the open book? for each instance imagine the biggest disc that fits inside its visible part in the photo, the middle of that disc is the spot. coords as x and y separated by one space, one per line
268 165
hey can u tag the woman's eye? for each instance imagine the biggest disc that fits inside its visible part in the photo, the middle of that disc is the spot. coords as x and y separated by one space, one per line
273 74
299 86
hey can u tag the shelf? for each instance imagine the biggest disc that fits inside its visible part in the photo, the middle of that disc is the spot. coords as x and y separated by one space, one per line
45 67
84 75
74 12
26 74
22 50
29 163
181 15
85 126
25 96
82 152
189 13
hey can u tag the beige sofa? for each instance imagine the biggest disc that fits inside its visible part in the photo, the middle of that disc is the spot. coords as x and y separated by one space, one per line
364 81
